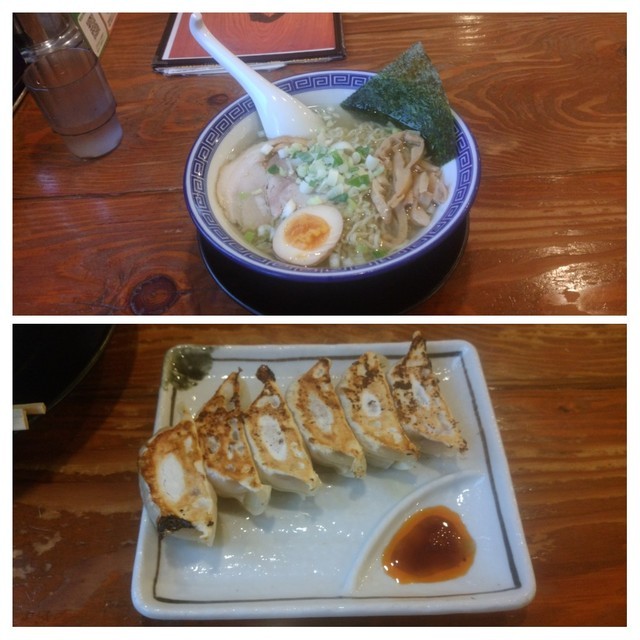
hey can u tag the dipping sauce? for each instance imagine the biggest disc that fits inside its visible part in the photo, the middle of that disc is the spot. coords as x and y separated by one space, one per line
431 546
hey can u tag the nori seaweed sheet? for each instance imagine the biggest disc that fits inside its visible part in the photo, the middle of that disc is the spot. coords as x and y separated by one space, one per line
409 92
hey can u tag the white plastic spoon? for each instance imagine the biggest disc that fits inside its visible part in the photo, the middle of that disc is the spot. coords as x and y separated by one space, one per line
280 113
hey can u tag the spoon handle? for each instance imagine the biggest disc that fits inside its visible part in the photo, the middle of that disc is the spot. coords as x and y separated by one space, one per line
242 72
280 113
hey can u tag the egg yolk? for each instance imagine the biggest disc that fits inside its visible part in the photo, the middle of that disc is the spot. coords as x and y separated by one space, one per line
307 232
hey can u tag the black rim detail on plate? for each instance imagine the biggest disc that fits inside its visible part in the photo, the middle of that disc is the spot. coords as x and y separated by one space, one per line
391 293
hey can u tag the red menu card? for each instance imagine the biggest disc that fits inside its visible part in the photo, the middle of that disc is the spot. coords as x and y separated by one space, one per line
261 39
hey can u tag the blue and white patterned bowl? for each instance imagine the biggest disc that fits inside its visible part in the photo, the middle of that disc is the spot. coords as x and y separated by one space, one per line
221 137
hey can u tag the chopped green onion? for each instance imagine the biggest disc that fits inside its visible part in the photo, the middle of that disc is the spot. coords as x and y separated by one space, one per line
337 159
361 180
303 156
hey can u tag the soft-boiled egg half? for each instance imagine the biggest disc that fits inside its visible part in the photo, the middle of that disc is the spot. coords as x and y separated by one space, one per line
308 235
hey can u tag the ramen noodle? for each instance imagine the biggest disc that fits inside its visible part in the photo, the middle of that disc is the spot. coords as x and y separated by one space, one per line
352 194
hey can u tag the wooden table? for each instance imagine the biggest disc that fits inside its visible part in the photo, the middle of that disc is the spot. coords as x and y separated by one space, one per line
544 95
559 394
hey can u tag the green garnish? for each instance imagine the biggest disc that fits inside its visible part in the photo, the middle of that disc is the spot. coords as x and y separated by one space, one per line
341 197
409 91
273 169
361 180
337 159
303 156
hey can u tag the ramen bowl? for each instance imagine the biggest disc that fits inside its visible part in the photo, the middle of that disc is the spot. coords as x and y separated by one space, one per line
263 284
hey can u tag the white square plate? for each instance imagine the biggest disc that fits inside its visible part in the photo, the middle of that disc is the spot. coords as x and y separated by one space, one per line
320 556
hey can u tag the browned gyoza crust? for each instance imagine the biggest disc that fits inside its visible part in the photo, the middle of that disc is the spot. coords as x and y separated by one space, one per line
422 409
370 412
226 453
276 443
177 494
317 411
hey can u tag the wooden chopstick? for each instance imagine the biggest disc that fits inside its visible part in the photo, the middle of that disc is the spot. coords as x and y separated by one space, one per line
21 411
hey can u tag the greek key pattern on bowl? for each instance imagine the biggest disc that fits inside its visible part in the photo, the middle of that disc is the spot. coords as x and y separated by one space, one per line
321 80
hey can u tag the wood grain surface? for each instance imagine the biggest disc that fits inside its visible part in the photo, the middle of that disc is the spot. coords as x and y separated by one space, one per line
544 95
559 395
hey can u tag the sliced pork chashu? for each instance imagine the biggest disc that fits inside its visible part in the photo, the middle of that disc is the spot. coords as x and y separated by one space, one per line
368 406
176 493
276 443
227 457
423 411
317 411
